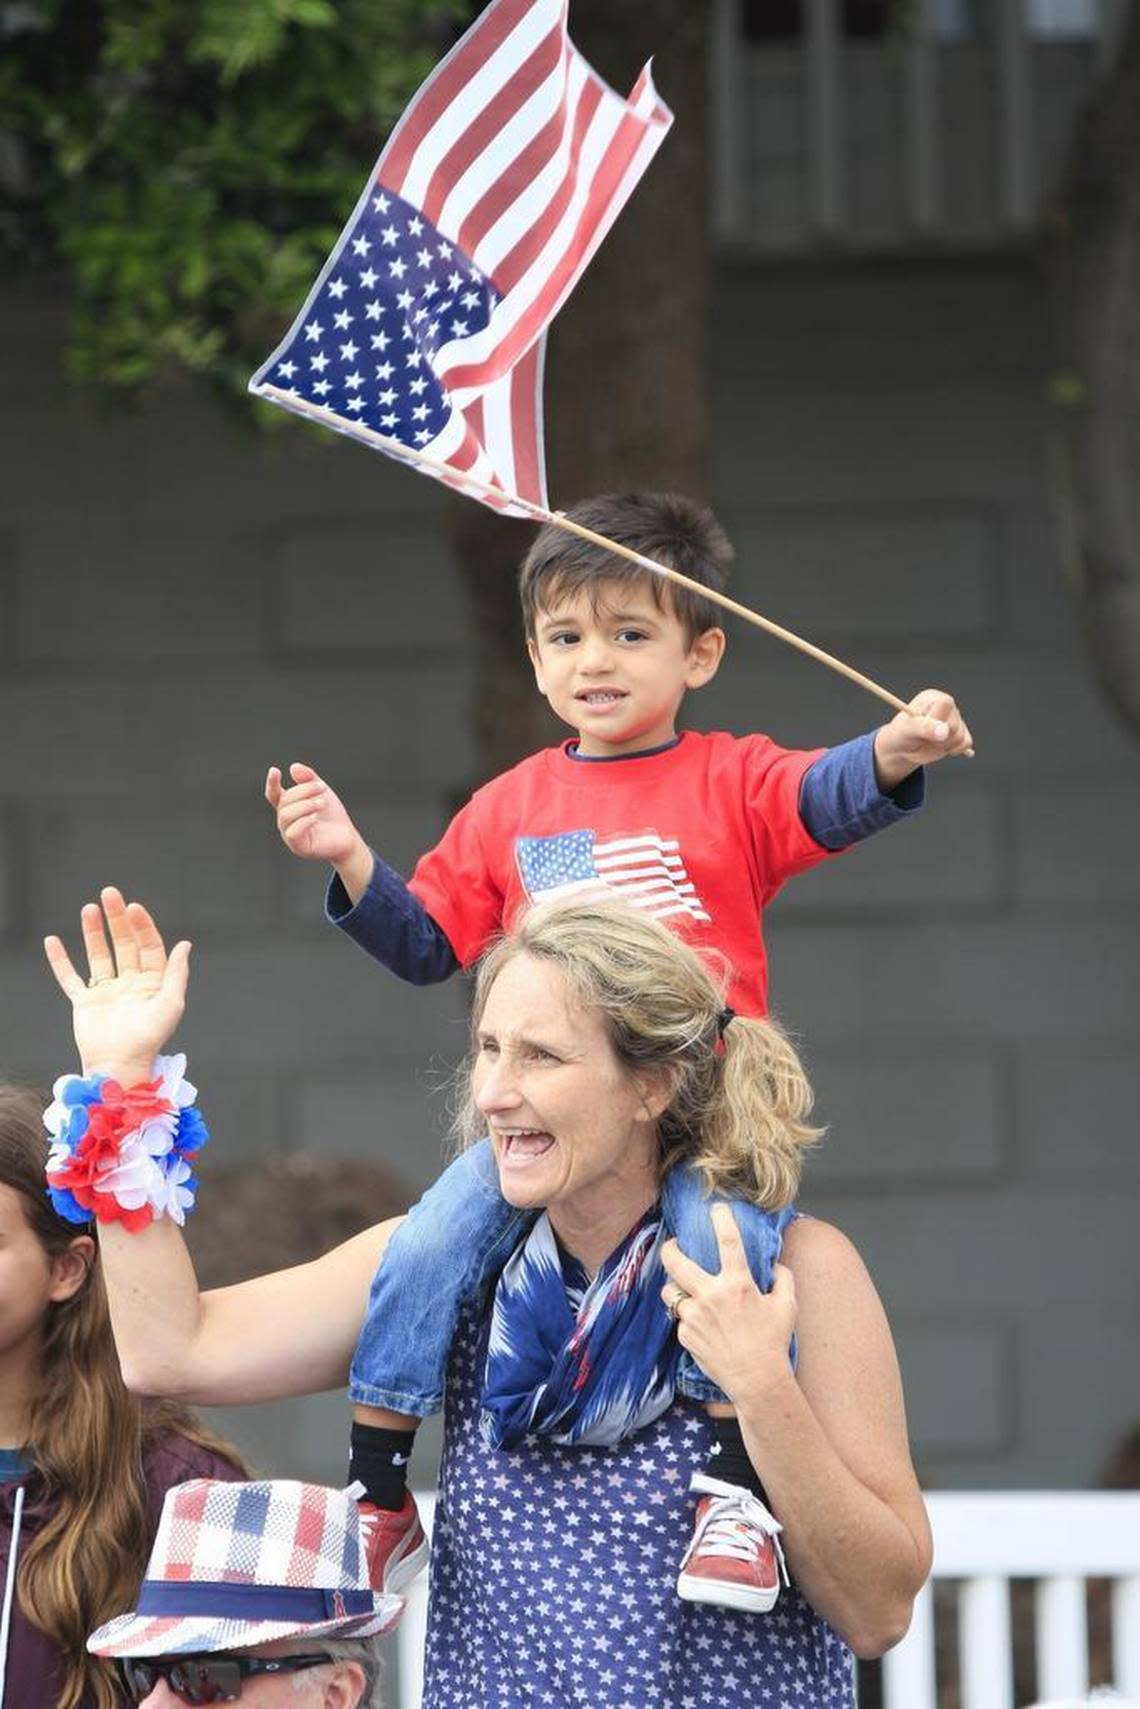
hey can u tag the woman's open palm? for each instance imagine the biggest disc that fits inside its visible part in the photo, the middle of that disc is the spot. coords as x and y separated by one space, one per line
134 999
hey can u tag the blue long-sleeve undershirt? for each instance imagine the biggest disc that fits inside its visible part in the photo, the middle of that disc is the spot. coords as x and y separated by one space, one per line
840 803
393 926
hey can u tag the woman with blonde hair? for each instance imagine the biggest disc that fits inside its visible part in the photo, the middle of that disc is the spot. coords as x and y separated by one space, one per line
83 1464
601 1056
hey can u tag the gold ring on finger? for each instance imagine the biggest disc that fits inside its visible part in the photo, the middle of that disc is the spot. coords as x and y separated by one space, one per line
676 1295
100 979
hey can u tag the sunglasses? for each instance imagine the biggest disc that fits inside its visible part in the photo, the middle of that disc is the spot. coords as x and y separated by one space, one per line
206 1679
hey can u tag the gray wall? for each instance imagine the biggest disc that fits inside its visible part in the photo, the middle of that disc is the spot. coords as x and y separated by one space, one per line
182 604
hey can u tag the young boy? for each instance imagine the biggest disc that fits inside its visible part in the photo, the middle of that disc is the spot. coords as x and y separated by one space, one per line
700 829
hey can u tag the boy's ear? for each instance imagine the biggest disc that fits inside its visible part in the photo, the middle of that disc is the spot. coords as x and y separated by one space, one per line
705 655
532 653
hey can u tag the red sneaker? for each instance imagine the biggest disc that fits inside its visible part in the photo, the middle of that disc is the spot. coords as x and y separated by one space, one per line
735 1559
395 1547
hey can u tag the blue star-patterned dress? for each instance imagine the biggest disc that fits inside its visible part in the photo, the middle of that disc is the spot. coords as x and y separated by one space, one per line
554 1580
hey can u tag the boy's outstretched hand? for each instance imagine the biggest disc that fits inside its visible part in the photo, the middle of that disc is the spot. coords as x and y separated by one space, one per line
930 730
314 824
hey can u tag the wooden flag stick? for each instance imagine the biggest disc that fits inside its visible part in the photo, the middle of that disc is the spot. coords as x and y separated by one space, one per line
738 610
457 477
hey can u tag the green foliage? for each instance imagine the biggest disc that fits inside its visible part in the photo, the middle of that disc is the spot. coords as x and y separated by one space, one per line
1068 391
190 162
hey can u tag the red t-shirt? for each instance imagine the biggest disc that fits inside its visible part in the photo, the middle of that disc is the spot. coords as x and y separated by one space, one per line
702 835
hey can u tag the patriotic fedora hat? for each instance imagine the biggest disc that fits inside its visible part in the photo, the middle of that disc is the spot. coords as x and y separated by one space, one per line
236 1564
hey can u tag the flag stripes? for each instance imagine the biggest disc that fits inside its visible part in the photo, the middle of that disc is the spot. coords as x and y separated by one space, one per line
498 183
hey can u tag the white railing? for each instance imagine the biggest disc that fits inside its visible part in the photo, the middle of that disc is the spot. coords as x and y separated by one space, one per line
1055 1538
412 1629
982 1541
933 134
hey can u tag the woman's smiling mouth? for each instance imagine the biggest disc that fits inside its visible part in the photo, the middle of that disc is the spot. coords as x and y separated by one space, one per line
523 1145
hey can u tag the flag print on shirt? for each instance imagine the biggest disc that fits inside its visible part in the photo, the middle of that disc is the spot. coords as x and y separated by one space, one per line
644 869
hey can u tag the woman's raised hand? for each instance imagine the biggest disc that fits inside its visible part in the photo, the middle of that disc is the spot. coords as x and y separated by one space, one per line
737 1335
132 1002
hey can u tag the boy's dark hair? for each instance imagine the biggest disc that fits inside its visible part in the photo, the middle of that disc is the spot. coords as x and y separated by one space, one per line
678 532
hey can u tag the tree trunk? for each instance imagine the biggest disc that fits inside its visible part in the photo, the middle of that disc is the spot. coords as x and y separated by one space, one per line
626 402
1098 388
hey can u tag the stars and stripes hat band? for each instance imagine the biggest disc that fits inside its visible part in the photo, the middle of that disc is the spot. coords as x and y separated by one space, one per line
237 1564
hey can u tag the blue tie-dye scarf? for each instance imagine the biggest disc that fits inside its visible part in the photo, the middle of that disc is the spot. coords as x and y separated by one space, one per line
578 1360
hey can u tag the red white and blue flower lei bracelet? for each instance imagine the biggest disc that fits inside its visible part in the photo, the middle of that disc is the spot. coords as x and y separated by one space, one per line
123 1153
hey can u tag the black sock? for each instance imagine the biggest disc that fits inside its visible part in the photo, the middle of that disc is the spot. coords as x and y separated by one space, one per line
729 1462
379 1460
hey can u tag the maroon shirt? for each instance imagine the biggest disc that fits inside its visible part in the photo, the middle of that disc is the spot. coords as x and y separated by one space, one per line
35 1665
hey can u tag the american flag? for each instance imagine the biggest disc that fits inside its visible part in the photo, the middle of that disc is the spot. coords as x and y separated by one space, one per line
646 870
427 322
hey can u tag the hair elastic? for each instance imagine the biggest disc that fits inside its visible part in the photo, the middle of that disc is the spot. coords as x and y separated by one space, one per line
722 1020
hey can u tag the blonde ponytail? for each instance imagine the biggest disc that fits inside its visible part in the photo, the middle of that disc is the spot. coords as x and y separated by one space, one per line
751 1139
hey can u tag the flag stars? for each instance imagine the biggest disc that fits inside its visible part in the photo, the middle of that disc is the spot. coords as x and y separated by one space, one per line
393 270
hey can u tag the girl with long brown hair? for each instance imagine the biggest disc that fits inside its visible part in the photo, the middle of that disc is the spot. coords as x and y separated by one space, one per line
83 1463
